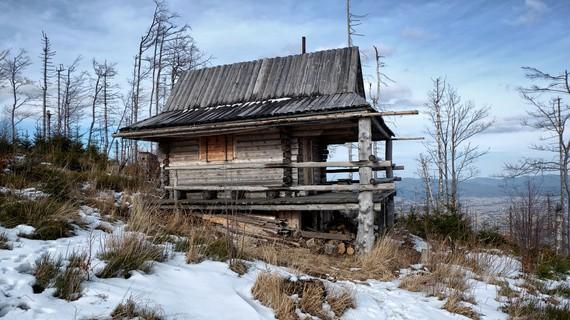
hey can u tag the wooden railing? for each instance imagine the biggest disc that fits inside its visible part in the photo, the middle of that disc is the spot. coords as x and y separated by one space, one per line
382 184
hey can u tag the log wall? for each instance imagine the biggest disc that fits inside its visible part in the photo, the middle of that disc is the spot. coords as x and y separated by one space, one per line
257 147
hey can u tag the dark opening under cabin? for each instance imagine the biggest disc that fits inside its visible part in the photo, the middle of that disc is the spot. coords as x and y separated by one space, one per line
257 138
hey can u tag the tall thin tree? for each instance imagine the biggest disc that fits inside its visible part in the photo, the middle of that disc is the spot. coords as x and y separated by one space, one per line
46 56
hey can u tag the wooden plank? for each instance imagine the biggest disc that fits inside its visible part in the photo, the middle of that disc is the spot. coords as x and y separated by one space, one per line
334 187
388 156
261 165
325 235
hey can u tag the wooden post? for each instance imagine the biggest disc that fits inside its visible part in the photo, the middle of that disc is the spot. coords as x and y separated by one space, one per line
388 157
365 234
390 214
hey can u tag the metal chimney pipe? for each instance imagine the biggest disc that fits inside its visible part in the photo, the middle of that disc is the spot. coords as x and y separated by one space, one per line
303 44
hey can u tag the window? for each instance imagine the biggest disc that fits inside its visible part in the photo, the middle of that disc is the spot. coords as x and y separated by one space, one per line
217 148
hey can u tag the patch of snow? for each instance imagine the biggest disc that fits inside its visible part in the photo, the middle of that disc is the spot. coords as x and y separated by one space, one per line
29 193
24 229
420 244
498 264
208 290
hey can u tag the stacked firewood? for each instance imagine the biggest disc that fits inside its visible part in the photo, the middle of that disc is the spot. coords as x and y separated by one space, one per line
337 241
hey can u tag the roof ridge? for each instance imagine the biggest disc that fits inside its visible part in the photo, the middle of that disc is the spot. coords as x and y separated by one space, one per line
274 57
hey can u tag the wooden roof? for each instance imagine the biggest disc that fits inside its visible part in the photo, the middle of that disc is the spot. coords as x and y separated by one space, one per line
253 110
303 75
320 82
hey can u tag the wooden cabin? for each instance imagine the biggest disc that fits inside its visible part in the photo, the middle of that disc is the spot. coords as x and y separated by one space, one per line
256 137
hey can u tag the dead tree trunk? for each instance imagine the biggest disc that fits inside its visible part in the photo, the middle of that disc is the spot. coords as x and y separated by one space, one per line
365 235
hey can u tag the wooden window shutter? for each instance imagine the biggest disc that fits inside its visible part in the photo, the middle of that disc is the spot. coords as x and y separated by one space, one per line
217 148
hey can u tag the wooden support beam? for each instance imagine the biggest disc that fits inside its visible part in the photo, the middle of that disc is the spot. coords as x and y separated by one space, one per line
365 235
269 207
408 138
325 235
345 170
388 157
376 181
396 113
309 164
331 187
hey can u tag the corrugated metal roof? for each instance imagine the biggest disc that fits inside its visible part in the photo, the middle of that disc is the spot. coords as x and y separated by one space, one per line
304 75
251 110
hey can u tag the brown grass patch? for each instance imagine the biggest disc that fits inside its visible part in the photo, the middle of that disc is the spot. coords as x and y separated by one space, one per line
127 252
312 296
270 290
454 304
444 278
382 261
340 300
132 309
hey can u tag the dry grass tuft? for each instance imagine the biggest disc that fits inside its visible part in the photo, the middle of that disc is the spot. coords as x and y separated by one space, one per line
312 298
340 300
127 252
505 290
445 278
454 304
382 261
238 266
270 290
68 283
131 309
4 242
50 218
45 271
105 227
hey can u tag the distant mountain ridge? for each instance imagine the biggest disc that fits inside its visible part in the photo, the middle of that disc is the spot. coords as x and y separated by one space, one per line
484 187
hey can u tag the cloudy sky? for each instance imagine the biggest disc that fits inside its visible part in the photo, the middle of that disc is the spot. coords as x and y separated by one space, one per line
478 45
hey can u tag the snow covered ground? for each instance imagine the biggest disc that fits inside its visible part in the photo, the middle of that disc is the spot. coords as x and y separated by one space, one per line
208 290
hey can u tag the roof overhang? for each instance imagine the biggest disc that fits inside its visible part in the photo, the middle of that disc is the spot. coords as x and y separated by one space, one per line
156 134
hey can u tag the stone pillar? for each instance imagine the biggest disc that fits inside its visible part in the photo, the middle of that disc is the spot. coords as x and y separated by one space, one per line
365 235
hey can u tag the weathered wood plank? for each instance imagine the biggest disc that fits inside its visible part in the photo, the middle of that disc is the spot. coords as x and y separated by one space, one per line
325 235
334 187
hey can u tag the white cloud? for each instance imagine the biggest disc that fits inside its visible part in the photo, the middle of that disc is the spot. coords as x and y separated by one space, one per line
530 12
416 33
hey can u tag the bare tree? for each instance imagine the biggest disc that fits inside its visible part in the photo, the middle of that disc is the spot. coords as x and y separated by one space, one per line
97 71
424 171
46 56
109 95
3 71
59 70
75 94
182 54
352 21
550 115
380 79
530 221
453 124
21 89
